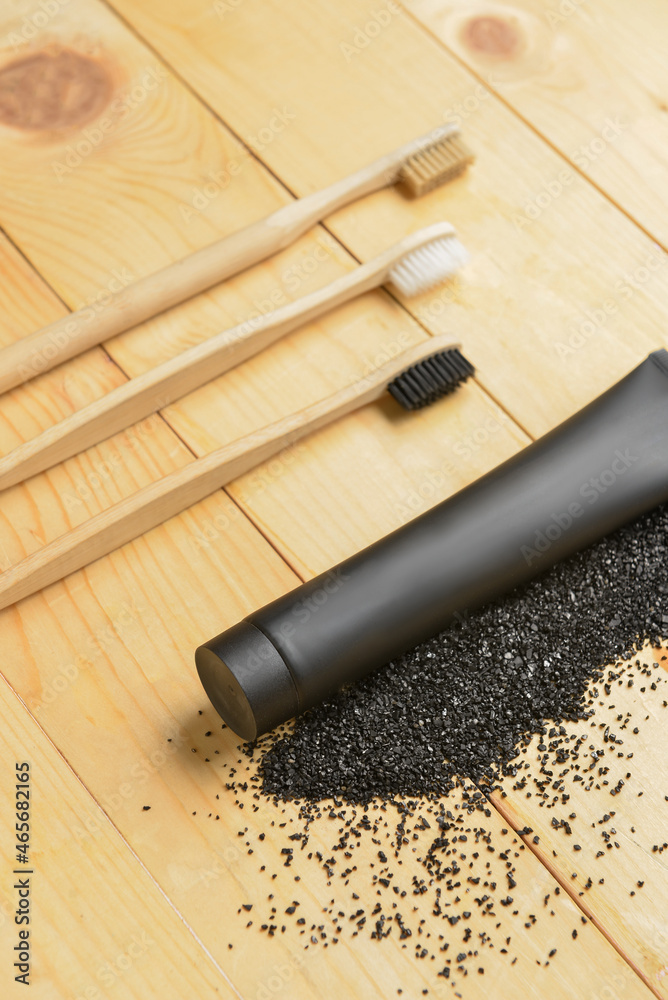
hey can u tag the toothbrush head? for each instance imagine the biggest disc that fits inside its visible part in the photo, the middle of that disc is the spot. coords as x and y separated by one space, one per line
428 266
436 163
431 379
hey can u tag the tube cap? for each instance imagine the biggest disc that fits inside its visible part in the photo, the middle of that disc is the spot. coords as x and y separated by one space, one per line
247 680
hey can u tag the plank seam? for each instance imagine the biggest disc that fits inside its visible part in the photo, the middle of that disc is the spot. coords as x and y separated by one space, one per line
563 882
116 830
102 347
252 154
426 30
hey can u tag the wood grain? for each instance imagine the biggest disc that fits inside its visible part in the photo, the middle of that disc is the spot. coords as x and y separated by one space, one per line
106 656
142 396
132 303
590 79
157 502
84 689
551 299
573 288
612 856
86 937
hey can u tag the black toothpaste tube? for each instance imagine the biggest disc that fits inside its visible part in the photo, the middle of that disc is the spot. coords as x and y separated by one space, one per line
599 469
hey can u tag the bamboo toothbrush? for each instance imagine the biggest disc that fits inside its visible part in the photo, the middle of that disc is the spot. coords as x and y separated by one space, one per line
413 265
429 377
419 166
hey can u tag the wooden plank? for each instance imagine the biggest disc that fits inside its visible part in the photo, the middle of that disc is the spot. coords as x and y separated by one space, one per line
104 670
138 615
585 75
541 279
85 938
76 851
616 854
285 513
555 305
78 626
106 656
49 174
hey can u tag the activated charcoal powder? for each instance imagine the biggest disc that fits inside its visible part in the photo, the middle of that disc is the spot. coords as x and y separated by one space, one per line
464 702
538 671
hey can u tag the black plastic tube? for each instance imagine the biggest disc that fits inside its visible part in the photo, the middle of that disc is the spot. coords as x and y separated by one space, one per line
601 468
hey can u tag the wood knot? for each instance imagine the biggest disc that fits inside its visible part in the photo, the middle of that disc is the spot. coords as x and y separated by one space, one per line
493 36
50 90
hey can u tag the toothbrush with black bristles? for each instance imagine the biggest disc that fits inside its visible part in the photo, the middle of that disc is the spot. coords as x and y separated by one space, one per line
417 377
415 264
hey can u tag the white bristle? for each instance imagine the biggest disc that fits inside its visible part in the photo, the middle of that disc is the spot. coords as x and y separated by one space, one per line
429 266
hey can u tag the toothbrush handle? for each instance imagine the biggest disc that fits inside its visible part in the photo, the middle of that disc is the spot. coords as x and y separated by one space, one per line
126 307
155 503
42 350
156 388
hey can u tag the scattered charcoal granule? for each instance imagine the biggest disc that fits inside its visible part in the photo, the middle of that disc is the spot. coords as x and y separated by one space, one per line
378 759
464 702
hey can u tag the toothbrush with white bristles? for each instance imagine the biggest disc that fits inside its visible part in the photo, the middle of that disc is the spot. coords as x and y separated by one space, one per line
414 265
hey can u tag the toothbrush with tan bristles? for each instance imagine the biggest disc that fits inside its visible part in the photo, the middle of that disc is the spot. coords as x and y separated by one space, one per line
419 166
414 265
436 368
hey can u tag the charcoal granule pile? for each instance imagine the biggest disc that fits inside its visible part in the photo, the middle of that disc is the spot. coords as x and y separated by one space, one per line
358 788
464 703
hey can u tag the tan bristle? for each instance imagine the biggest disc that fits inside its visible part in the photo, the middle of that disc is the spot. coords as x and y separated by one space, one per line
434 165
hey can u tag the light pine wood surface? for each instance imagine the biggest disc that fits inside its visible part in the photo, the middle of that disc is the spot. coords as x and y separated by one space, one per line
214 116
92 939
592 81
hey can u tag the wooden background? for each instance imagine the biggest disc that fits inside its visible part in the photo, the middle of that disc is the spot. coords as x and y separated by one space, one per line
564 103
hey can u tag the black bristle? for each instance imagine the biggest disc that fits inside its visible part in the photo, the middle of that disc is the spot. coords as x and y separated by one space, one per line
430 379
